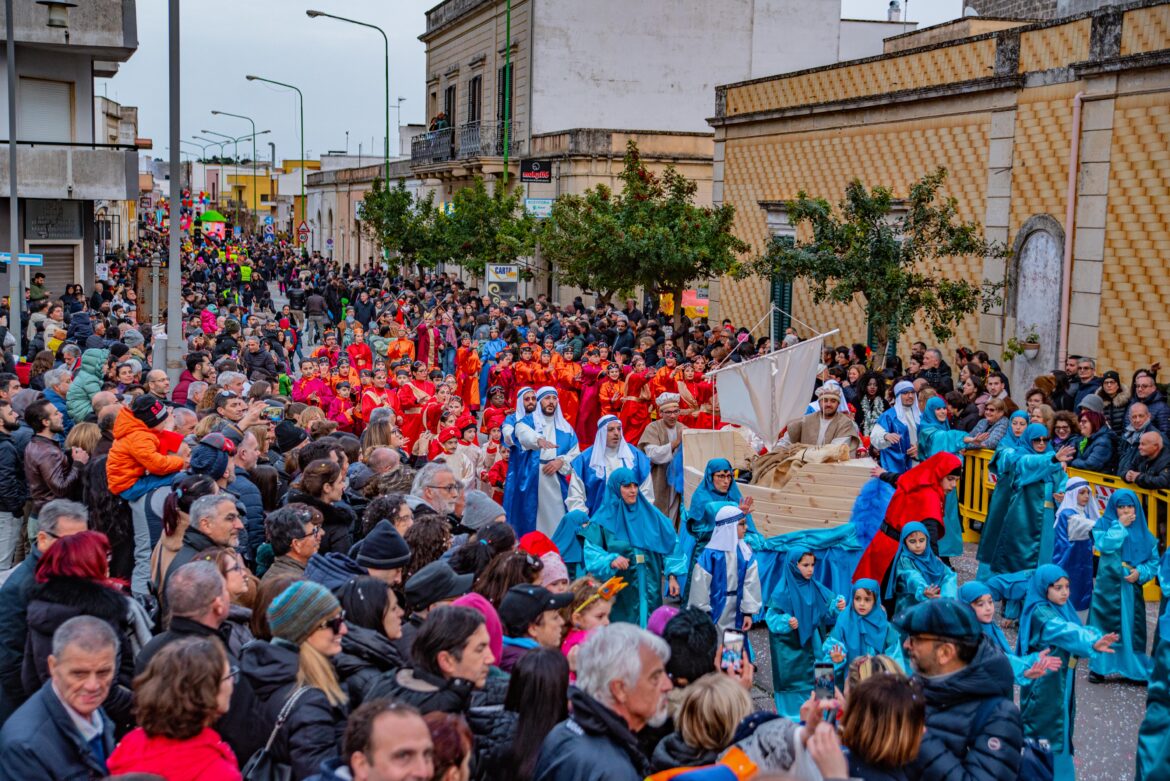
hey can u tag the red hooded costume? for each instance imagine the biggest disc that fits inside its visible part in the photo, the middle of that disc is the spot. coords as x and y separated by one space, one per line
919 496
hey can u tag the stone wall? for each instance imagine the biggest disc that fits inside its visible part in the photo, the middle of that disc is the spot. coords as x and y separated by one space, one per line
1016 9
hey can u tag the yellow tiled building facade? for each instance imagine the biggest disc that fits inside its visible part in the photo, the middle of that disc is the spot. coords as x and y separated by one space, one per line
998 106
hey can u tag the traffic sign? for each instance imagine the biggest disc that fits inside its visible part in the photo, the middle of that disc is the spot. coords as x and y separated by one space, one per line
329 243
268 220
23 259
303 232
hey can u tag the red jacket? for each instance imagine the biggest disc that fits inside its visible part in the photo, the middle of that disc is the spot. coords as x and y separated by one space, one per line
204 757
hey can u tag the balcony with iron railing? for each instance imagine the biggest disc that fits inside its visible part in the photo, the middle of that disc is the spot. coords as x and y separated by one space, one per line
469 141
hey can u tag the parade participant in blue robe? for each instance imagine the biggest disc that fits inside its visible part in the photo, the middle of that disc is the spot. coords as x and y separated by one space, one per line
549 443
519 460
1153 749
1129 559
918 574
1048 704
895 435
863 630
610 451
1019 533
568 536
1025 668
718 486
936 436
797 611
629 536
1072 547
488 351
725 583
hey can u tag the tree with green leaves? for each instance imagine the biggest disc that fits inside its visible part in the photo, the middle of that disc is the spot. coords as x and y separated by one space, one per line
901 267
402 224
650 235
486 228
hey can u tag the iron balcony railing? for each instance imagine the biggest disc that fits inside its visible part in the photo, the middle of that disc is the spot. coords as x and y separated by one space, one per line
470 140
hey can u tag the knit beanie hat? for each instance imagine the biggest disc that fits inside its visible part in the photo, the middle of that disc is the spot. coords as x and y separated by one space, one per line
299 610
289 435
133 338
479 510
554 569
118 349
150 410
210 456
383 548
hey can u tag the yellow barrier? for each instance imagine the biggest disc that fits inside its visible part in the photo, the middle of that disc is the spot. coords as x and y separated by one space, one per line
976 488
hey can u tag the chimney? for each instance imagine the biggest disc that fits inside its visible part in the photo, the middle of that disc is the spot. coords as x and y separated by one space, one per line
895 12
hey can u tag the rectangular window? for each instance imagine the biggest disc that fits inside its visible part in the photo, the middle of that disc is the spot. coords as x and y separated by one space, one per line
474 99
449 104
504 88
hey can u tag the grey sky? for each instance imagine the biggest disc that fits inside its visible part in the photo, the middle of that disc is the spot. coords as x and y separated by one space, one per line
338 66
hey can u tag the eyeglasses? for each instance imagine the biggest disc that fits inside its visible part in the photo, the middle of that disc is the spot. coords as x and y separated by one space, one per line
233 675
235 568
316 531
453 488
334 624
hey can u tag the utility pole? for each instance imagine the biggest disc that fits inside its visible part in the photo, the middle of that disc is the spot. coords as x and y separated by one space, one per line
15 298
173 343
508 85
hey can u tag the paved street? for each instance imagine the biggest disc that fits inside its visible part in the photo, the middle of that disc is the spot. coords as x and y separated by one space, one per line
1108 715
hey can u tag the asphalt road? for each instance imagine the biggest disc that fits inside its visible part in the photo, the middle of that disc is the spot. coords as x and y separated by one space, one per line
1108 714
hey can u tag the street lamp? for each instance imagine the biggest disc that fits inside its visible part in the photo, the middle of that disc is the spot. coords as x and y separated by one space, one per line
235 140
313 15
398 125
58 13
221 145
255 208
301 95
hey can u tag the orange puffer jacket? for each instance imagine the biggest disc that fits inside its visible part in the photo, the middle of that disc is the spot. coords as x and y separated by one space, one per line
138 450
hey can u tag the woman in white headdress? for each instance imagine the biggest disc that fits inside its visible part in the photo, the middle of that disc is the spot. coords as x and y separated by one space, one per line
1072 549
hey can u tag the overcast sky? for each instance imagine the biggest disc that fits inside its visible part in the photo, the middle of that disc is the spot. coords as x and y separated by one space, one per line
338 66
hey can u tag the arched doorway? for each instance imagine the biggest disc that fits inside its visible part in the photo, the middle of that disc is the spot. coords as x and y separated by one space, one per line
1035 297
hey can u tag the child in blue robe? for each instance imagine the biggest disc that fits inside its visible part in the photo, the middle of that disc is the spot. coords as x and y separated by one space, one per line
1153 749
797 610
1025 668
725 583
1048 704
863 630
917 573
1072 548
1129 559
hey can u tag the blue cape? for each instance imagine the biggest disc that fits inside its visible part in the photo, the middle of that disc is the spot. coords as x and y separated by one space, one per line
641 524
705 492
804 598
1139 543
929 422
567 538
1044 576
868 631
972 591
927 563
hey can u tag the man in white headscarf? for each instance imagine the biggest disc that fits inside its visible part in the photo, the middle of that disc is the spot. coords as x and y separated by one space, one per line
827 426
593 467
660 441
895 434
726 579
546 446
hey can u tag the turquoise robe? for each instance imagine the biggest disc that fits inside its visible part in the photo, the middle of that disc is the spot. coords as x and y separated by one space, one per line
1020 536
793 676
910 586
1048 705
1153 748
937 439
644 580
1119 606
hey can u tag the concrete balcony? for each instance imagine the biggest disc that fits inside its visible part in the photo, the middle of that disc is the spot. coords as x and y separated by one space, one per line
106 29
86 172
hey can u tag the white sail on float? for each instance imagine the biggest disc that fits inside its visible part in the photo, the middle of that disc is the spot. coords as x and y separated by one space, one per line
765 393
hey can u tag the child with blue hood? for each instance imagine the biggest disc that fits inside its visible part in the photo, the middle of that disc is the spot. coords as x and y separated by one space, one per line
1129 559
797 610
1048 704
1025 668
863 630
918 574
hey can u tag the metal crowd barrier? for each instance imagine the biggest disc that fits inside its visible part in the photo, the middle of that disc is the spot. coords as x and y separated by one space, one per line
975 495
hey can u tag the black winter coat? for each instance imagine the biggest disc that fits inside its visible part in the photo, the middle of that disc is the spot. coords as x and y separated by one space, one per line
949 748
594 744
13 486
40 741
339 524
52 604
365 656
424 691
672 751
314 728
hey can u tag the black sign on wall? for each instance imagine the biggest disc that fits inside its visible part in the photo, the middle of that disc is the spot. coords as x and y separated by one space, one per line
536 171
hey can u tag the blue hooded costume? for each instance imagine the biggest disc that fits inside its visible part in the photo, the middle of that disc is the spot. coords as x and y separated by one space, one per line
936 436
1118 605
1153 749
1048 704
856 635
794 651
974 590
1075 556
913 573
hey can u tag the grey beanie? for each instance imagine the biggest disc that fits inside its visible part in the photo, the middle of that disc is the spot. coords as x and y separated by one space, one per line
479 510
133 338
1093 403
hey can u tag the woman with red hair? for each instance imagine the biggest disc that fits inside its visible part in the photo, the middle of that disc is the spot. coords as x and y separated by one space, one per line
73 579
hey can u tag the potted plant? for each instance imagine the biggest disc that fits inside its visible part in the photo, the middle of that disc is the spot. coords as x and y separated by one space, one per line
1028 344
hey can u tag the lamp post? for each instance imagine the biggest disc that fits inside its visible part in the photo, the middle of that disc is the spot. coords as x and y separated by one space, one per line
386 147
300 95
202 159
221 145
235 140
398 126
255 208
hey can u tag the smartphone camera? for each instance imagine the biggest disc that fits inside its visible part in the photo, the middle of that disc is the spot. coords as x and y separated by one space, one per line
732 655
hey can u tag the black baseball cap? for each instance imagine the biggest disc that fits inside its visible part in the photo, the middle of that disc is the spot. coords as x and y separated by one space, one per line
947 618
523 604
436 582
